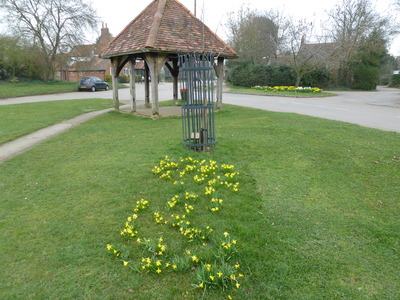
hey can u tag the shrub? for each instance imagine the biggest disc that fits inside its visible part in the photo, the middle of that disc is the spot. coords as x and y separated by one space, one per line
108 78
318 77
395 80
365 77
124 79
248 75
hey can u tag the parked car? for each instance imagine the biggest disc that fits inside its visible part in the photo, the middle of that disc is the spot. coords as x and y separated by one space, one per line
92 84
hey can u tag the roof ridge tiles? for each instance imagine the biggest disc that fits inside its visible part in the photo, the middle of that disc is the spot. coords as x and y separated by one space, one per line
151 40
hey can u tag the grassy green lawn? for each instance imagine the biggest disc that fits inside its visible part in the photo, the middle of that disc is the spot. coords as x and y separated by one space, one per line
246 90
20 119
316 215
8 90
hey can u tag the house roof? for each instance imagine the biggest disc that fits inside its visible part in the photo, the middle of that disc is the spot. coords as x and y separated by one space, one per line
95 64
167 26
82 50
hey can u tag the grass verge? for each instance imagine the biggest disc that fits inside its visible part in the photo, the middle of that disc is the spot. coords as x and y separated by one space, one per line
17 120
246 90
10 90
316 215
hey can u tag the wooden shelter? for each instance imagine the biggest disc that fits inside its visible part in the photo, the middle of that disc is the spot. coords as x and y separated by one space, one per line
164 29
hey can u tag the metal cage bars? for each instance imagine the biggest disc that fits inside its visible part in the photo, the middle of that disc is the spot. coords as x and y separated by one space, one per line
197 93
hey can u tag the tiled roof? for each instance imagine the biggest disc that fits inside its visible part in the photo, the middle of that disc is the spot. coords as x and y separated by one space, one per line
95 64
82 50
169 27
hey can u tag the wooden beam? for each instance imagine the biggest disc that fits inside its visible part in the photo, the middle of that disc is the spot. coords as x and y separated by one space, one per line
146 85
155 61
117 63
132 85
220 81
114 68
174 70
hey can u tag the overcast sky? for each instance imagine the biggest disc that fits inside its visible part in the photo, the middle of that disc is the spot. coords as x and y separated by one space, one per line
118 13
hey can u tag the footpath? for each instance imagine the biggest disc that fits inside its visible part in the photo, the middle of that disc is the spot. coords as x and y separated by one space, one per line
24 143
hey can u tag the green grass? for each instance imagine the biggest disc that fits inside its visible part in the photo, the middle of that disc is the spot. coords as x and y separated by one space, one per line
316 216
246 90
9 90
20 119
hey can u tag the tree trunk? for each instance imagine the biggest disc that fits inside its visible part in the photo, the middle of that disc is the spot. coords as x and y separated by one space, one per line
298 78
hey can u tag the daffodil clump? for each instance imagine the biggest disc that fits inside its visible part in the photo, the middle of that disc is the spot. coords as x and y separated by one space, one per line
209 254
288 89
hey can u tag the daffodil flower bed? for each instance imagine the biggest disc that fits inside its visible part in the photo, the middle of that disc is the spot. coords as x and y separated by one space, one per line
288 89
209 255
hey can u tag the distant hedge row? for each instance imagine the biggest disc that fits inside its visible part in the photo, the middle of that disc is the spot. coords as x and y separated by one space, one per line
249 75
123 78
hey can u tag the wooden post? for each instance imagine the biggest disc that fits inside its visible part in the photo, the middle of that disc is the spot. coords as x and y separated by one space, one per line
175 78
132 74
174 70
114 68
146 85
155 62
220 81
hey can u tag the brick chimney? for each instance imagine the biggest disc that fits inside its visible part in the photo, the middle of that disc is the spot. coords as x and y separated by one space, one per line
104 39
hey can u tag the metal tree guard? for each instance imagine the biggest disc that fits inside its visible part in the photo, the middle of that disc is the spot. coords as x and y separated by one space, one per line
197 92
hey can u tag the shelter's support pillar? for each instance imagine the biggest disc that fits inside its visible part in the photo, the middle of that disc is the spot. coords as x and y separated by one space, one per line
174 70
155 62
220 80
132 74
114 70
146 85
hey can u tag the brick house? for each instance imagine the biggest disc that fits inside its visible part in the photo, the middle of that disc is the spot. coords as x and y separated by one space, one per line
84 60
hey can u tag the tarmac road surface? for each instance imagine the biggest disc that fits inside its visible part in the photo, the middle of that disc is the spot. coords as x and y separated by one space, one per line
377 109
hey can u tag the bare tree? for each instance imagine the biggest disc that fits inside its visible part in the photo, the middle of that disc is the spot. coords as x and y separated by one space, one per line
254 35
301 56
51 25
351 24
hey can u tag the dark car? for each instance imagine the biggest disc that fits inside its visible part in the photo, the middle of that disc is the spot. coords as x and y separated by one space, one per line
92 84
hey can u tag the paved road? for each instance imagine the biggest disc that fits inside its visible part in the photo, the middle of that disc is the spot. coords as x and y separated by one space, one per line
379 109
